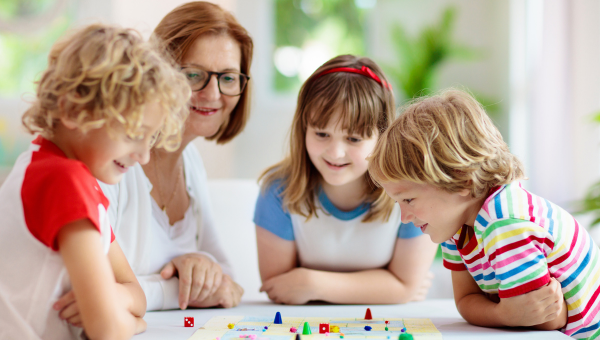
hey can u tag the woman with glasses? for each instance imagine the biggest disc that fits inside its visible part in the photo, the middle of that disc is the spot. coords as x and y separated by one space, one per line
160 211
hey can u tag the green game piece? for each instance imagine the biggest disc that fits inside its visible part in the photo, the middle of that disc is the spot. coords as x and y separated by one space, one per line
405 336
386 328
306 329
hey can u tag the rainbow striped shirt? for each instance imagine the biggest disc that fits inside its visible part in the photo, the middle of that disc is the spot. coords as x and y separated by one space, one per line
520 242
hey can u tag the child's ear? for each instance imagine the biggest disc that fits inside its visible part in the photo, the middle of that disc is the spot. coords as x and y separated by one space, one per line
65 118
69 122
464 192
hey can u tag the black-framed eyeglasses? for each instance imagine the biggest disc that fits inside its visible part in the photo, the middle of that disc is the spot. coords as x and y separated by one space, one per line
230 83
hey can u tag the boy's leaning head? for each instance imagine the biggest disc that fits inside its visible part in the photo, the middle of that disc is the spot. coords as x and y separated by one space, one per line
444 145
106 77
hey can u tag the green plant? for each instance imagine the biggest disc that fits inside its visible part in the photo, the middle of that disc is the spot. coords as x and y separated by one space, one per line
591 202
421 57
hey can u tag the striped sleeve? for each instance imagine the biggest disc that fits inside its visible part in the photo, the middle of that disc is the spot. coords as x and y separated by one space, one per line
514 251
451 257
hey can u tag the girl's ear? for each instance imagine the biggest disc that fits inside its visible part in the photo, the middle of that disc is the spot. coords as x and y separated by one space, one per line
65 118
464 192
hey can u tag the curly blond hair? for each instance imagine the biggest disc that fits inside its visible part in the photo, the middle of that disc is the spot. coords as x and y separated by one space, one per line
104 75
446 140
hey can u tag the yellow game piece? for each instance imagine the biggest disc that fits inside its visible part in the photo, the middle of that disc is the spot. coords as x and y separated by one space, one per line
230 326
334 329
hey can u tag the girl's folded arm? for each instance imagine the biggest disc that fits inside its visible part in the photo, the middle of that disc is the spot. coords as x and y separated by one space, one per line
104 311
124 275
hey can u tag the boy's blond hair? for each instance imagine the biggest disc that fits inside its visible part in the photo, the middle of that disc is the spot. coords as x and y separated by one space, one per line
446 140
104 75
365 107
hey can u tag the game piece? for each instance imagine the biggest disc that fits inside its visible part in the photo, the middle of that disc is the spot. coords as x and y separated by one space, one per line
188 321
405 336
386 322
368 328
306 329
230 326
340 328
278 319
323 328
386 328
368 315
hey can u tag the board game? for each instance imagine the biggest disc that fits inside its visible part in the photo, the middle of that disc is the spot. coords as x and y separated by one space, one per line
320 328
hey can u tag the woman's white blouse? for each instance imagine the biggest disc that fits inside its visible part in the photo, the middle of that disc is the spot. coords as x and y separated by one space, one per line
143 239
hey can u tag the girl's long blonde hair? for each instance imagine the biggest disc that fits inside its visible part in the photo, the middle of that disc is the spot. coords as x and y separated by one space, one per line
365 107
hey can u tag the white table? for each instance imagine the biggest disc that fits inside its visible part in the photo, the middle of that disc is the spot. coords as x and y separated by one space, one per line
443 313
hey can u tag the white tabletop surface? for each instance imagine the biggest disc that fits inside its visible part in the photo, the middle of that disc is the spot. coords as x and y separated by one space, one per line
443 313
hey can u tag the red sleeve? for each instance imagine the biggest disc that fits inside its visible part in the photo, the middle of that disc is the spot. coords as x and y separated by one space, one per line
57 191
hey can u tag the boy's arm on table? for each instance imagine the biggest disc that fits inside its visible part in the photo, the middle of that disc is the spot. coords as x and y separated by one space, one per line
543 308
400 282
104 306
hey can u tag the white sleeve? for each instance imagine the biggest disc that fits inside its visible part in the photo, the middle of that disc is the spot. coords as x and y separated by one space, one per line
160 294
128 212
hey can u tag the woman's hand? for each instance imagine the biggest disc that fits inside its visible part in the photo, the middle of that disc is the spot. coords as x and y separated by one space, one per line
534 308
199 277
227 295
292 288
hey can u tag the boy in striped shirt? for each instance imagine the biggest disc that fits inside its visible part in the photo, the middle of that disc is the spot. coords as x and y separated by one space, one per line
517 260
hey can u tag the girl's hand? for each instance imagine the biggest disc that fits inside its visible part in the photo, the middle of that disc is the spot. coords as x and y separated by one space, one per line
140 325
534 308
423 289
292 288
68 309
228 295
199 277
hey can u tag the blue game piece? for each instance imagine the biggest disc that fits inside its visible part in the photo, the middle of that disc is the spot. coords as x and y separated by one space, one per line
278 320
266 327
368 328
403 329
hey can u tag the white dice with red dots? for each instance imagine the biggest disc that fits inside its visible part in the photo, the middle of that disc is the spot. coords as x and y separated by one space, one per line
188 321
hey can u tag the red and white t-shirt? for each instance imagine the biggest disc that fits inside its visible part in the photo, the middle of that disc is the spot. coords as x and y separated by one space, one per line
44 192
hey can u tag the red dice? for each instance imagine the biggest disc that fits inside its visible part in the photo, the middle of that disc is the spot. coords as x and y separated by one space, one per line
188 321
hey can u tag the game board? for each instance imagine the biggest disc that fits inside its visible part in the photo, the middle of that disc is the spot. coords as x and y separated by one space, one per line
253 327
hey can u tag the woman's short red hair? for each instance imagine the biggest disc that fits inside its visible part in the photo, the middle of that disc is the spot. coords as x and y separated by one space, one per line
182 26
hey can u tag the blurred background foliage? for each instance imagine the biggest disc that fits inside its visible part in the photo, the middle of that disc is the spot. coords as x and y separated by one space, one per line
310 32
23 56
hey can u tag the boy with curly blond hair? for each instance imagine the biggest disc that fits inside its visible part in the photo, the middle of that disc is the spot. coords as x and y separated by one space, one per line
104 100
517 260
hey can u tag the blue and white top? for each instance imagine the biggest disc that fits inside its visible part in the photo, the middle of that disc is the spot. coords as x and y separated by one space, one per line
335 240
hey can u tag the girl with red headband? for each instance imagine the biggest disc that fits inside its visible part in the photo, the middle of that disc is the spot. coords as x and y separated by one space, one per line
324 230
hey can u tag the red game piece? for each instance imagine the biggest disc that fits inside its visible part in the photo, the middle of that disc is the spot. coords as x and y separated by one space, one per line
188 321
368 314
386 322
323 328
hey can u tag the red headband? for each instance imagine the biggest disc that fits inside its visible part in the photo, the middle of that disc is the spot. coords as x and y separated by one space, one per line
365 71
